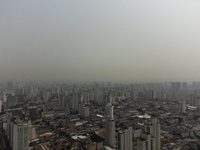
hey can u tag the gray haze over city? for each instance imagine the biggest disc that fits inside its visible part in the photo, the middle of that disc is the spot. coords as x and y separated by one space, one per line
110 40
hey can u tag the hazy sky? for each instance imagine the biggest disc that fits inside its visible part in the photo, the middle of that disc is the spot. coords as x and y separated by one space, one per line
86 40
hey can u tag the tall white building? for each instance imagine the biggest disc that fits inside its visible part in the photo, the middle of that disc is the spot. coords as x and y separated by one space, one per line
110 127
124 139
20 136
152 127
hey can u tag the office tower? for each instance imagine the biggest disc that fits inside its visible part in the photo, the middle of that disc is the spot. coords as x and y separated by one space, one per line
20 135
152 127
183 106
110 127
124 139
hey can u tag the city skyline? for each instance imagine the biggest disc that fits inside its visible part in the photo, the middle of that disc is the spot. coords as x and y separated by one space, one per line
130 41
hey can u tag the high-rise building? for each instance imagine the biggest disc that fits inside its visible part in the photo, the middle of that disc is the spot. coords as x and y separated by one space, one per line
110 127
133 96
150 140
45 108
0 105
10 85
33 112
61 102
31 131
20 135
146 142
46 95
184 87
109 111
75 101
183 106
67 108
84 110
86 98
6 122
3 97
98 95
124 139
152 127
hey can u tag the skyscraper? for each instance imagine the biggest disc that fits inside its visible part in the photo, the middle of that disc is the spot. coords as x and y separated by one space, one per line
31 131
110 127
67 108
150 140
20 136
74 102
124 139
183 106
3 97
132 92
61 102
0 105
152 127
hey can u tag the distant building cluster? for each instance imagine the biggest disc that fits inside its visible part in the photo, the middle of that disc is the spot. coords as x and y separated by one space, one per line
99 116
